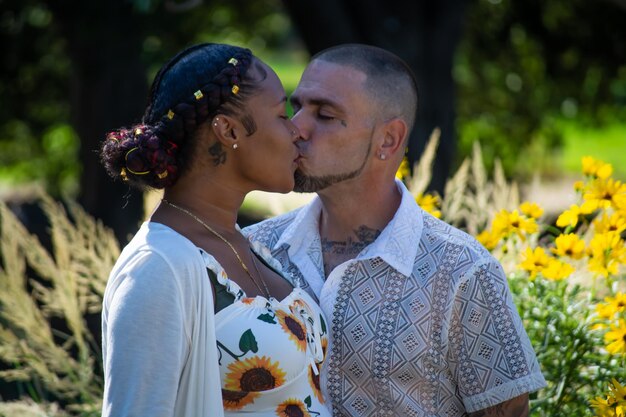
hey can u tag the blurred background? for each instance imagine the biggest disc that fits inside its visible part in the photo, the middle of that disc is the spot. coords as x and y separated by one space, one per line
539 83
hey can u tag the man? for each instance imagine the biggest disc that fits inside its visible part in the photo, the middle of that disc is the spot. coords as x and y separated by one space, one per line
421 318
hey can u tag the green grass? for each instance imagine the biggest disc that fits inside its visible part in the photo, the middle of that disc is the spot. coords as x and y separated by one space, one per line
607 143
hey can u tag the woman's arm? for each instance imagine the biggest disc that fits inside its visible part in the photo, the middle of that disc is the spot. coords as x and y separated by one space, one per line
144 339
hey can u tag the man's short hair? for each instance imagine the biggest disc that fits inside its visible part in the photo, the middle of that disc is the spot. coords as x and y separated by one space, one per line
390 81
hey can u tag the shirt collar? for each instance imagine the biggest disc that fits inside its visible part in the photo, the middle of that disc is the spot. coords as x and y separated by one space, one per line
397 244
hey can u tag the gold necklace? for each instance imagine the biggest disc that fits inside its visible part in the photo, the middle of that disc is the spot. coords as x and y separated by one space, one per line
265 289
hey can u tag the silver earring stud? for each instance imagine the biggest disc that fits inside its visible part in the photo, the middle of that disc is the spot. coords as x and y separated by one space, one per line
383 156
235 146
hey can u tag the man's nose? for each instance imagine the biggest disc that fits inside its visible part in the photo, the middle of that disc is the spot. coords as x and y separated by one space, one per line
299 119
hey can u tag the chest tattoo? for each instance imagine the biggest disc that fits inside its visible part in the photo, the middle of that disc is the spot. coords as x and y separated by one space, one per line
336 252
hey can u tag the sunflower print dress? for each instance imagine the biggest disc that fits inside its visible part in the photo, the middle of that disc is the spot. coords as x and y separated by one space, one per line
270 352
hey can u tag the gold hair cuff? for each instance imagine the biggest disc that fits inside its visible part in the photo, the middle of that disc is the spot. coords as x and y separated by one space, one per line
198 94
138 132
162 174
233 61
123 174
170 114
235 89
130 170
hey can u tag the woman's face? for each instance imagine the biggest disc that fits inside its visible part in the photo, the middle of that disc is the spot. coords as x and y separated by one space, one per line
267 157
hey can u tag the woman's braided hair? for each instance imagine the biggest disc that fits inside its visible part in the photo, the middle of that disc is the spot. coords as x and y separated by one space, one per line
190 89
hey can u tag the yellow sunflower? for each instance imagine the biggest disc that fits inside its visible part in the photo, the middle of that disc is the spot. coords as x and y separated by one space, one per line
615 338
404 170
616 222
506 223
603 407
292 408
254 374
596 168
314 381
569 245
606 251
294 328
488 239
602 194
618 392
430 203
557 270
534 261
569 217
531 209
236 400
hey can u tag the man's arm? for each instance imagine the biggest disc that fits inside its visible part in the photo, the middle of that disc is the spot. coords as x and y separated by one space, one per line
515 407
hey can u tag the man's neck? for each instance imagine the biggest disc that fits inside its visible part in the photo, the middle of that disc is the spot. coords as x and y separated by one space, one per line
352 219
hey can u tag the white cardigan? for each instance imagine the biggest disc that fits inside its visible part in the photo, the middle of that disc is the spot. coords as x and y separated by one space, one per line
158 330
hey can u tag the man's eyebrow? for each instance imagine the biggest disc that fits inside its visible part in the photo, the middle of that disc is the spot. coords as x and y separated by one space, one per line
319 102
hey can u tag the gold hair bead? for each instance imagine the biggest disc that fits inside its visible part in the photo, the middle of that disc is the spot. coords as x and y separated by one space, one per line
162 174
138 132
233 61
235 89
198 94
123 174
170 114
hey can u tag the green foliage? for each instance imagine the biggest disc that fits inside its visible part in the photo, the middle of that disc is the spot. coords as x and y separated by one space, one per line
522 66
607 144
558 320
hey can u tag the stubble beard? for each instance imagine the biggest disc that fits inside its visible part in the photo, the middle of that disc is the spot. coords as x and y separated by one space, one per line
312 184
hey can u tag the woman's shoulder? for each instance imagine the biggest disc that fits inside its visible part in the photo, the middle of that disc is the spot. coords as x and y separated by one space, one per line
156 248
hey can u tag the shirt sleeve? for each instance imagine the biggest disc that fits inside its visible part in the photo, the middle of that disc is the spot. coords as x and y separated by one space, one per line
144 339
490 355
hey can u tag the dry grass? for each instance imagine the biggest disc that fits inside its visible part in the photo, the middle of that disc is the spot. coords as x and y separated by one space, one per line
39 287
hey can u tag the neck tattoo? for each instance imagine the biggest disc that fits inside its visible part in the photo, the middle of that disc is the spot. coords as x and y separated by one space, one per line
336 252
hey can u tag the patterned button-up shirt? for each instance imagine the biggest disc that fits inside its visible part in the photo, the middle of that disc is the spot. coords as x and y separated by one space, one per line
422 320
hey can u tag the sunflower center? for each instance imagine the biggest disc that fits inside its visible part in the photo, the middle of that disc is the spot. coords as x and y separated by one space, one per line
257 379
233 396
293 410
295 328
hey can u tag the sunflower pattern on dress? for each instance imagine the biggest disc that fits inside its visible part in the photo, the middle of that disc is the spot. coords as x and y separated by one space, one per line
270 352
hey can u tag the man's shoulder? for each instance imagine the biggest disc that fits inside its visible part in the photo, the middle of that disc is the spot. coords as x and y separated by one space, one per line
439 236
269 231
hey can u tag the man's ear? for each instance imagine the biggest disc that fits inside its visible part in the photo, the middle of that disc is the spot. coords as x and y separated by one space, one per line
394 135
227 130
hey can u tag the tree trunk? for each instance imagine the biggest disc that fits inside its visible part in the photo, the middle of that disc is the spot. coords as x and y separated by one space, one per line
424 34
109 84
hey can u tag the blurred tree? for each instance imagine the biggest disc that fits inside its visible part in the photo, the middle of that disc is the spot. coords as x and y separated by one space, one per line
423 33
524 65
73 70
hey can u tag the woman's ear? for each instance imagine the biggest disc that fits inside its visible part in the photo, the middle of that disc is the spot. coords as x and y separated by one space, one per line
227 130
394 137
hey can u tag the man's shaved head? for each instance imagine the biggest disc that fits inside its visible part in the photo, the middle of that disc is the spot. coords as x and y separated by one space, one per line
390 82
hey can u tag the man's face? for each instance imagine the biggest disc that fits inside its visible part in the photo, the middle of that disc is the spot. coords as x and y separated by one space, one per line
334 114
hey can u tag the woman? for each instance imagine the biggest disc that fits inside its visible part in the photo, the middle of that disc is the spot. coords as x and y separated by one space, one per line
192 323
